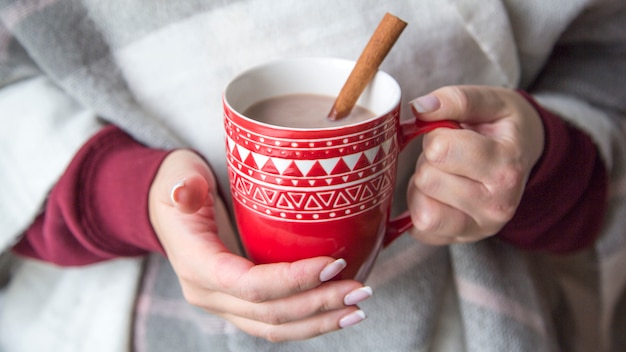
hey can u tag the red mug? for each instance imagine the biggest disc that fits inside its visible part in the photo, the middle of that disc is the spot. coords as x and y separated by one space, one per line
305 192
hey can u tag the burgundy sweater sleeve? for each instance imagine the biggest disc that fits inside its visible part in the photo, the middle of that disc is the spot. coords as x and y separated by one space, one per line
565 198
98 210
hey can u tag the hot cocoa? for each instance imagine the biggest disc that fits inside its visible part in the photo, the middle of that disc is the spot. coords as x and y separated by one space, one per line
303 111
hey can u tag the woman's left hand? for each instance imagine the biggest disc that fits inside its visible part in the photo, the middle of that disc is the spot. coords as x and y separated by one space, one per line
469 182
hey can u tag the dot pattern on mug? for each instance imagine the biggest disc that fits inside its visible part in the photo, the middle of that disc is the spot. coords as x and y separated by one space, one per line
314 179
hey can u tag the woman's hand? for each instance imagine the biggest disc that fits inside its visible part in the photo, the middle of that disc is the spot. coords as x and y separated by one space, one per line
283 301
468 183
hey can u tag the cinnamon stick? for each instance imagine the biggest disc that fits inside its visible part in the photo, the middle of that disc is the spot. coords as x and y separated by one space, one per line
379 45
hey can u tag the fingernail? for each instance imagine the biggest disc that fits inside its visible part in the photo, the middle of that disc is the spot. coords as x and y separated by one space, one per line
174 191
331 270
358 295
426 103
352 319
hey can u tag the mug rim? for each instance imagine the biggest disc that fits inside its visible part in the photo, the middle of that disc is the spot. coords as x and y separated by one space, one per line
380 75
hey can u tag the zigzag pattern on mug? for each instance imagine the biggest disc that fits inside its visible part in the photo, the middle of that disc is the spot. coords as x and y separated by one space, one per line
310 168
307 204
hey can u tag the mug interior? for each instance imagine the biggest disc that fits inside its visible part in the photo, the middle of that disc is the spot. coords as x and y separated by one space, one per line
323 76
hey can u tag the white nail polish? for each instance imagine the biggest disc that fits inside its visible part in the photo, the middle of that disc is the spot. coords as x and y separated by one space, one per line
175 188
331 270
352 319
358 295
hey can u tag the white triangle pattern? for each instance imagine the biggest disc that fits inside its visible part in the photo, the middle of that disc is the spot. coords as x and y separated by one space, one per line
260 159
386 146
371 153
328 164
243 152
351 160
305 166
281 164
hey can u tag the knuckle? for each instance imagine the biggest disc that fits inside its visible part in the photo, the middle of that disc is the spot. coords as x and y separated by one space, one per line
460 98
437 150
425 221
227 280
508 178
249 288
268 315
272 334
250 293
498 215
424 181
325 305
501 213
298 277
507 188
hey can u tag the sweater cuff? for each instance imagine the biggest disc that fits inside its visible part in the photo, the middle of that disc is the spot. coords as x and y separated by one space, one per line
117 180
98 209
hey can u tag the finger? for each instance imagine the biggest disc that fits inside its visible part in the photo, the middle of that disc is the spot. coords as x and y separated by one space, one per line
207 263
435 222
328 297
190 194
461 152
303 329
225 229
488 206
259 283
469 104
459 192
473 173
185 175
450 226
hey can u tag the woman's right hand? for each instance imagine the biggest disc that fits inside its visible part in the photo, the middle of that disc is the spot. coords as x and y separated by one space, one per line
278 302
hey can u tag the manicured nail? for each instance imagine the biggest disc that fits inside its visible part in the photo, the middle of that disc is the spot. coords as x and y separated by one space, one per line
174 191
358 295
331 270
425 104
352 319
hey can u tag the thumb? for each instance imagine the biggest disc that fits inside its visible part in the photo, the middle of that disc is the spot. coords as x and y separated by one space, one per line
184 181
190 193
465 104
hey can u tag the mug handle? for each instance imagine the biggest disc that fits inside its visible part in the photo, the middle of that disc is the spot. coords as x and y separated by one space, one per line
408 131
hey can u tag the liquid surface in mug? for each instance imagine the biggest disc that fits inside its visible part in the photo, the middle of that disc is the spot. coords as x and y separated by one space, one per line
303 111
